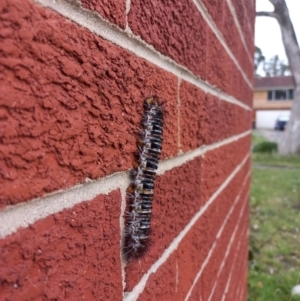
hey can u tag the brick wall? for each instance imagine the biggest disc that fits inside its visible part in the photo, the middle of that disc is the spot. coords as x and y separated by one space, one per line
74 75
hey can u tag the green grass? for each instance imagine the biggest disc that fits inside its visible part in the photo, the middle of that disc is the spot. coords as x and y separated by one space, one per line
275 229
272 159
256 138
276 160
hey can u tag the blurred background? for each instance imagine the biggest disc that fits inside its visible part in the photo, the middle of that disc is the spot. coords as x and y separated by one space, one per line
274 255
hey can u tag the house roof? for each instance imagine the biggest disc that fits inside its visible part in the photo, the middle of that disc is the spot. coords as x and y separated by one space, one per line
267 83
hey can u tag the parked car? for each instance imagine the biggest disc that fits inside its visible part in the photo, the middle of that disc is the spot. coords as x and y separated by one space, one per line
281 123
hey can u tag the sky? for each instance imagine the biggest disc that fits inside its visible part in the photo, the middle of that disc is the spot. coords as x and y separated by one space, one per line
267 31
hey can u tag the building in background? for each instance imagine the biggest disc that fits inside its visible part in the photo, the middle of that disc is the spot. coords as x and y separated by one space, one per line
273 98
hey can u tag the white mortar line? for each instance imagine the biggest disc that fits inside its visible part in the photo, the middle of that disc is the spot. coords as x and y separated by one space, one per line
191 155
246 274
225 258
128 2
241 289
24 214
178 116
139 288
231 271
218 235
125 39
204 264
231 209
176 277
228 282
238 26
202 9
250 26
122 226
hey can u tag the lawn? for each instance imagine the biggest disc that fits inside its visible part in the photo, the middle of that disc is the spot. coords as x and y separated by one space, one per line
274 160
274 265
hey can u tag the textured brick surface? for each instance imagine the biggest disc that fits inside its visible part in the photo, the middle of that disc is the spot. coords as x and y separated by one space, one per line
223 73
179 31
197 244
174 28
163 285
240 12
230 30
219 163
71 255
230 262
238 279
205 119
112 10
175 277
178 195
237 271
245 12
214 279
243 286
216 10
185 182
248 24
210 273
221 14
70 103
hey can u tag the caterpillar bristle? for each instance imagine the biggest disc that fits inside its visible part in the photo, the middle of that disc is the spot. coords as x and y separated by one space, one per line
140 192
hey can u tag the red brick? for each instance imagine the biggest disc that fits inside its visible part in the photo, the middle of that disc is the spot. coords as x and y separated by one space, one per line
238 277
243 272
234 41
179 194
174 28
218 164
216 9
186 259
179 31
71 255
221 14
244 290
230 193
177 197
163 285
238 271
205 119
218 65
192 251
72 103
240 11
209 276
223 73
245 12
197 244
112 10
230 261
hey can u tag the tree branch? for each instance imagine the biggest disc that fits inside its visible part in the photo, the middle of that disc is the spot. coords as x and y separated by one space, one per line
267 14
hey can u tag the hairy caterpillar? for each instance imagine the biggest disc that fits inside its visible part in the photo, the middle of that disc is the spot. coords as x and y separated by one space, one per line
140 192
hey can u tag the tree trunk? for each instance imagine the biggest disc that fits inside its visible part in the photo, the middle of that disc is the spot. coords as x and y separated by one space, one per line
290 142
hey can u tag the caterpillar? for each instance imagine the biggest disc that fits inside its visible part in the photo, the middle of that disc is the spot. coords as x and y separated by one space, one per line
140 192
